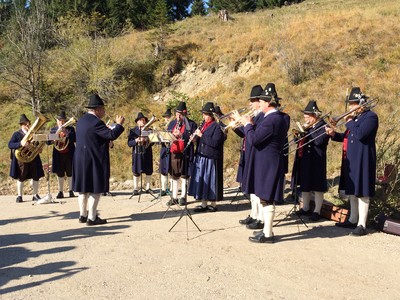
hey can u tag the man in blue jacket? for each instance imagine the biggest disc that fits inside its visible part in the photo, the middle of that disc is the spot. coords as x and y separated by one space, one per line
358 172
91 167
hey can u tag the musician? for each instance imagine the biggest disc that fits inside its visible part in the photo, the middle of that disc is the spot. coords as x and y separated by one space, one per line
91 162
181 157
265 171
255 219
358 171
20 170
62 158
164 157
309 168
142 153
204 184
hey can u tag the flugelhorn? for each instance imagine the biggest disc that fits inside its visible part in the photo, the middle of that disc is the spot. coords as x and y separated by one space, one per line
237 123
240 110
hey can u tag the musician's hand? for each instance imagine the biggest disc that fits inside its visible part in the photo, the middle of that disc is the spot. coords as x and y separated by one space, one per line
62 134
329 131
24 143
111 144
119 119
245 119
235 115
348 118
198 133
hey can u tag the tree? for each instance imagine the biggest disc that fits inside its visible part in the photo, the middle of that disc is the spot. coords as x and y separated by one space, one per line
160 20
269 3
178 9
198 8
27 36
232 5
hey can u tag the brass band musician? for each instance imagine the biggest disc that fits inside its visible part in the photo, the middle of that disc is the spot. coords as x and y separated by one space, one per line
142 154
63 152
24 170
309 168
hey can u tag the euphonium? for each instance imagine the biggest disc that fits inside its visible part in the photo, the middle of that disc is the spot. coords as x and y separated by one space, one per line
32 148
63 143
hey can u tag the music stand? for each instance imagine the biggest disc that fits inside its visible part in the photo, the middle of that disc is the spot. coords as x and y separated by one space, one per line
295 198
185 210
160 137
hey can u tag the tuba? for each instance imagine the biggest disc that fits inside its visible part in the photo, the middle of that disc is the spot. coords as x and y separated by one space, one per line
28 152
62 143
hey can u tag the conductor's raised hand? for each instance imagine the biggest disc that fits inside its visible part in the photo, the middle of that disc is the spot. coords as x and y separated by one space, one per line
119 119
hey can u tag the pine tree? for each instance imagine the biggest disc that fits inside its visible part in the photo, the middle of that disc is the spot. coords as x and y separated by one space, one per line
198 8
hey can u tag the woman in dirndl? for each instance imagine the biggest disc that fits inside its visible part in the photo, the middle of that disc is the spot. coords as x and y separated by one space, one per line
206 183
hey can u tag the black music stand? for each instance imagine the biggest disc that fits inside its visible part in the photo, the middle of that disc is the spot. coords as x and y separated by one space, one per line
295 197
160 137
186 212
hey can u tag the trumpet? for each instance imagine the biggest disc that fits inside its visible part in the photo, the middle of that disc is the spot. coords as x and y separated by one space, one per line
240 110
237 123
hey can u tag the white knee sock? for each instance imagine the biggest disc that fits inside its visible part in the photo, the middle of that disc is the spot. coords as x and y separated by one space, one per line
174 188
135 182
164 180
353 209
82 201
183 187
20 188
269 213
363 205
69 179
306 196
60 183
35 187
254 206
204 203
148 180
318 199
213 203
93 201
260 213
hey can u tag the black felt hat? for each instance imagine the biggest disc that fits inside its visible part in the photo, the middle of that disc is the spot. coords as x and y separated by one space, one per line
269 93
181 108
255 92
218 111
23 119
208 108
311 108
61 116
95 101
141 116
167 113
356 95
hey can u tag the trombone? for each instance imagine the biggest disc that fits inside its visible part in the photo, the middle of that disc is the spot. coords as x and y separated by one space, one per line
334 122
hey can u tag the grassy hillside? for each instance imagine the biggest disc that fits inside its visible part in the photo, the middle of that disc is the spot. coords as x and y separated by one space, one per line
313 50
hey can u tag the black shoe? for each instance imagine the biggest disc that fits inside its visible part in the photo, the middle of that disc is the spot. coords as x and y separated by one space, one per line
211 208
97 221
172 202
182 201
36 197
135 192
19 199
60 195
149 191
255 225
302 212
255 233
200 209
359 231
163 193
82 219
262 239
346 224
248 220
71 194
315 217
